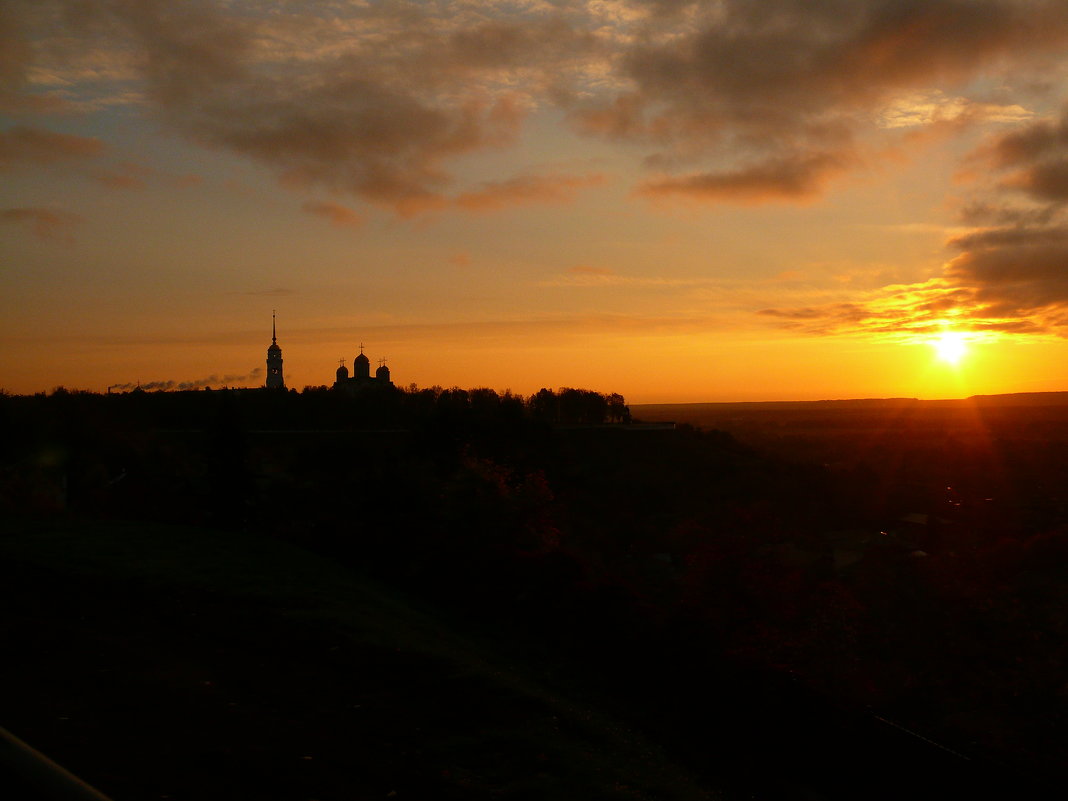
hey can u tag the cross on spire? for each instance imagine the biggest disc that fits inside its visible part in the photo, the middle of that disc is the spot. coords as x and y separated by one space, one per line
341 362
361 347
274 330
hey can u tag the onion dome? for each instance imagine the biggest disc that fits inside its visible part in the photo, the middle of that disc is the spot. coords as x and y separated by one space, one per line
361 366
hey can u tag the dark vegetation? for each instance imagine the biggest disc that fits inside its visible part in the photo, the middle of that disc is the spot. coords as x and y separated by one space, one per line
757 610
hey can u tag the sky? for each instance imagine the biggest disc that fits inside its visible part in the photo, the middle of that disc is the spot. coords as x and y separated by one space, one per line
678 201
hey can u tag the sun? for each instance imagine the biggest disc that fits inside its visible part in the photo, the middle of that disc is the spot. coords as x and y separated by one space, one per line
951 346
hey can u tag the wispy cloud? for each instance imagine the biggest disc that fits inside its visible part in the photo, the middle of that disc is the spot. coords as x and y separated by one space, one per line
23 145
338 215
126 175
526 190
795 177
934 107
49 224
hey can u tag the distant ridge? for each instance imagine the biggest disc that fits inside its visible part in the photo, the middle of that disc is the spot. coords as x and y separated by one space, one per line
1023 399
1010 399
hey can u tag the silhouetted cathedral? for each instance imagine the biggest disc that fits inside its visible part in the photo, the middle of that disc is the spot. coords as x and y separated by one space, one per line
361 375
275 378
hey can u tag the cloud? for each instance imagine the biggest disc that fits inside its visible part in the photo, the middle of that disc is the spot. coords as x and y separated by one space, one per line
793 89
935 107
526 190
1006 280
790 178
735 101
50 224
904 313
340 216
370 102
23 145
127 175
1009 273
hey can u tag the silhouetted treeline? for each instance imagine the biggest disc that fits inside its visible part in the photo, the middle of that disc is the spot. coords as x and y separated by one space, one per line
668 565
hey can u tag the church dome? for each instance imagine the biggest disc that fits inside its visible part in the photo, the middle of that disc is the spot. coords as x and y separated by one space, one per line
342 372
382 372
361 367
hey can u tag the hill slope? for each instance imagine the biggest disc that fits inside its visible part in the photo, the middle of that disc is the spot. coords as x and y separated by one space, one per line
173 662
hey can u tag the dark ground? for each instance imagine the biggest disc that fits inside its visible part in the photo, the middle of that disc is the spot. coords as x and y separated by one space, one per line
483 606
163 662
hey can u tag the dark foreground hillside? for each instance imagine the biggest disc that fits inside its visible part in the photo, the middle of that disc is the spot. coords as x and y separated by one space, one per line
171 662
885 627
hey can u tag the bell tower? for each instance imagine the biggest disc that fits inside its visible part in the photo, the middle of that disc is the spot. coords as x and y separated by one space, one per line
275 378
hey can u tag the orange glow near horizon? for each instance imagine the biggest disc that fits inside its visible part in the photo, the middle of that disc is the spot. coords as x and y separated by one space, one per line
676 368
471 221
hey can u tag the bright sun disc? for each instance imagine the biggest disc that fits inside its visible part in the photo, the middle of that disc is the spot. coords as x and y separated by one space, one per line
951 346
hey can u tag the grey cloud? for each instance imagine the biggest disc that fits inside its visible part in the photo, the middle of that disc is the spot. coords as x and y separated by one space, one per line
1018 276
1013 236
26 145
377 117
794 177
1029 143
778 80
1044 181
375 99
985 212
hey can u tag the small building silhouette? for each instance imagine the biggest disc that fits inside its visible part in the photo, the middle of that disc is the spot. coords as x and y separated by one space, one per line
361 378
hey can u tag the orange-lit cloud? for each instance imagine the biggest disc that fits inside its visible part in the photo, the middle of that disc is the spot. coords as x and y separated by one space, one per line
905 313
1009 274
45 223
338 215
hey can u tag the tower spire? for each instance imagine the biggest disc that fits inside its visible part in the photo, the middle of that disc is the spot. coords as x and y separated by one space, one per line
274 330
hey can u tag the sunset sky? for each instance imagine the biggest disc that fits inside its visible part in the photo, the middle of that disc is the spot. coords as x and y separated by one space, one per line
677 201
